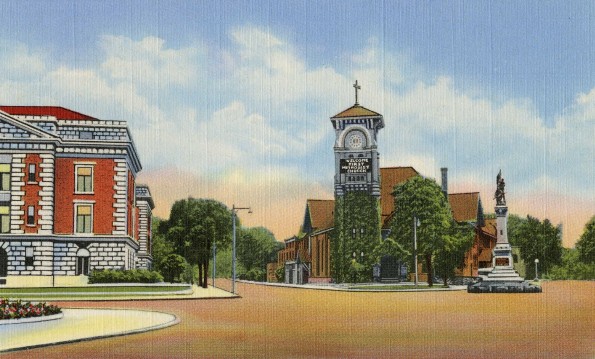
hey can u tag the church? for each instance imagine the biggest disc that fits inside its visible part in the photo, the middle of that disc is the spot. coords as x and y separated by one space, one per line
69 201
335 232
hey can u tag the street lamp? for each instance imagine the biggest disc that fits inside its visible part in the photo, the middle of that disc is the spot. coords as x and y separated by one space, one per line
234 211
214 260
416 223
536 274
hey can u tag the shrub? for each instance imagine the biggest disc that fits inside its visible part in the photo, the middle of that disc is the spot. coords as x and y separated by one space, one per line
19 310
124 276
280 274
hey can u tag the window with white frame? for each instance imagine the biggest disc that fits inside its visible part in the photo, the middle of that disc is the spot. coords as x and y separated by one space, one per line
4 217
31 176
83 218
4 177
84 179
31 216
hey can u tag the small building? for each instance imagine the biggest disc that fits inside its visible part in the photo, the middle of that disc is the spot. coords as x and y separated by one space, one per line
69 202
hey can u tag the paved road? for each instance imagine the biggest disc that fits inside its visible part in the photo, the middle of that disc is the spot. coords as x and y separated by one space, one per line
287 322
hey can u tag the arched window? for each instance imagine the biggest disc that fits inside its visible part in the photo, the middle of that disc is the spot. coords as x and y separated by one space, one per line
3 263
82 261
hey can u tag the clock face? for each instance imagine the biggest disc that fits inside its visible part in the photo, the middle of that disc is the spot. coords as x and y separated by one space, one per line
355 140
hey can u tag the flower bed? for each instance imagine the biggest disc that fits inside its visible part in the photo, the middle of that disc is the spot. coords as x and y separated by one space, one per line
19 310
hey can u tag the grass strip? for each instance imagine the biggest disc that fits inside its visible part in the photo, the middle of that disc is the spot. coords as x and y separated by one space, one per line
102 289
393 287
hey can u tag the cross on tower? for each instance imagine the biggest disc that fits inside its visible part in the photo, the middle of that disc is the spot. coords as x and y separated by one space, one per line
357 87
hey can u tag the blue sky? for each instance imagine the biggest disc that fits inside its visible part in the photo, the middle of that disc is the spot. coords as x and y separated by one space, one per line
231 99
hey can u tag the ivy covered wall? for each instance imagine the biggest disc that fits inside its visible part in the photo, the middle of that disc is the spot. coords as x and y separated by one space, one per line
356 230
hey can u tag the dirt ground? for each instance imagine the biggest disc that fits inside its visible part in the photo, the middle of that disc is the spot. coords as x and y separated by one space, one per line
287 322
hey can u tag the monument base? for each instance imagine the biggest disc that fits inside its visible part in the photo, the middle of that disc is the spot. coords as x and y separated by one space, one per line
502 286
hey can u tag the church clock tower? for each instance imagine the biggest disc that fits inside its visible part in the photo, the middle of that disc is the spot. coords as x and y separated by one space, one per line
357 192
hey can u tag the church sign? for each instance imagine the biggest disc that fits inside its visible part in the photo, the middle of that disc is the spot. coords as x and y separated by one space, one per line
355 165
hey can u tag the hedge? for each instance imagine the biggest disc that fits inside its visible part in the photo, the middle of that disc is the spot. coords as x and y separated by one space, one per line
124 276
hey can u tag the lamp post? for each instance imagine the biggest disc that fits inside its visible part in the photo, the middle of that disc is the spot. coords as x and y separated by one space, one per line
536 273
214 261
416 223
234 211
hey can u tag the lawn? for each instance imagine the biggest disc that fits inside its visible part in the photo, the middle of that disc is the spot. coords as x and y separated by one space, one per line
102 291
395 287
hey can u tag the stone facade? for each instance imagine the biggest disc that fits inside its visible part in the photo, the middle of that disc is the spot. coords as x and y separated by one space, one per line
59 222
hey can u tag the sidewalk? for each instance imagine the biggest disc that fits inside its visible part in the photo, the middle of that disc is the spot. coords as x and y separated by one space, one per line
347 287
197 293
82 324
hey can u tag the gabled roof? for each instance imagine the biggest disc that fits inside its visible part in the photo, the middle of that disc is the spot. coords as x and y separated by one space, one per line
320 214
465 206
23 127
60 113
489 227
357 111
389 177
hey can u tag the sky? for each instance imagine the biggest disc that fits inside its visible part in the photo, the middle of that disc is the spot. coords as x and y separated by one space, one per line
231 100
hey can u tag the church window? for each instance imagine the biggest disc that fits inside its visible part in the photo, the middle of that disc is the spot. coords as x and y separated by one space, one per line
84 218
31 173
4 177
84 179
31 215
4 217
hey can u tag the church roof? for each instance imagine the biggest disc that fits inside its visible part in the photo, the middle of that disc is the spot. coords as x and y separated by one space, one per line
489 227
465 206
389 178
320 214
357 111
60 113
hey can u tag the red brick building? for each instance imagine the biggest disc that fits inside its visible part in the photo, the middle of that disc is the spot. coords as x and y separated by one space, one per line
69 203
306 257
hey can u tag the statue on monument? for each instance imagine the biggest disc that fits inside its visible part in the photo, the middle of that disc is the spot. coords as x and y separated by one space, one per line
499 195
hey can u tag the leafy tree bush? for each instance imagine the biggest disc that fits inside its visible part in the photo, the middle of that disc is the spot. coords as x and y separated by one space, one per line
124 276
280 274
457 243
586 244
572 268
423 198
193 226
536 239
172 267
255 248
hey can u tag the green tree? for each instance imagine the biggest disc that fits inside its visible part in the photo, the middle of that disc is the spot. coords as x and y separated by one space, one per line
452 255
255 248
586 244
539 240
172 267
160 246
572 267
193 226
423 198
514 225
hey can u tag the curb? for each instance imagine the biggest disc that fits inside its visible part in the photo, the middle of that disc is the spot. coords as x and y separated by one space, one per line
175 320
41 318
359 290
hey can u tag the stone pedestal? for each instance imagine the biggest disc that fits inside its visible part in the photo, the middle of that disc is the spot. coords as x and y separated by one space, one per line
502 262
502 278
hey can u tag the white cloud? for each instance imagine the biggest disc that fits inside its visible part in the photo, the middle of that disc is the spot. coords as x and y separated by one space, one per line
18 62
148 61
263 122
